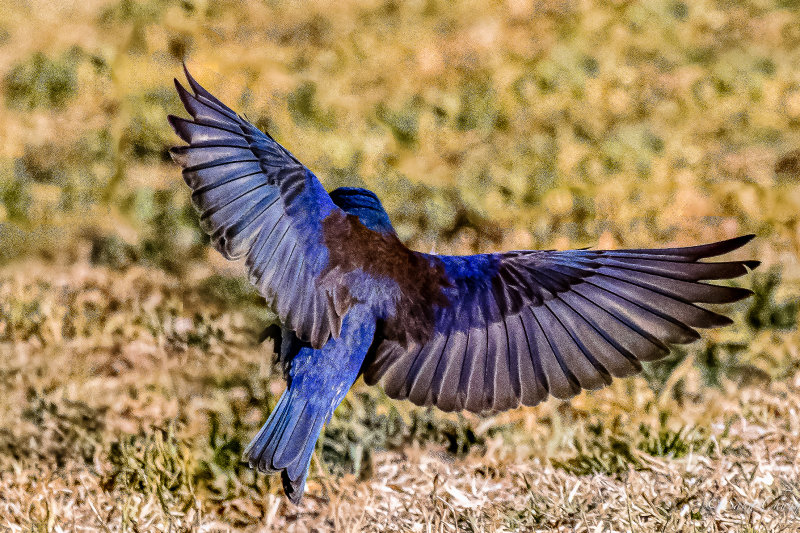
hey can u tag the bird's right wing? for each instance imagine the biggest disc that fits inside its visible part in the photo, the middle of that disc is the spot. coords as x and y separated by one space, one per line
258 201
509 328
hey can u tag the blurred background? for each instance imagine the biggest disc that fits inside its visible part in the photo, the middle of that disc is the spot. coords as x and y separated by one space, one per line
129 358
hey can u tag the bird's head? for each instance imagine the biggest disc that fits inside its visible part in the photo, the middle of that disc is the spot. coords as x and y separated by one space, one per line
364 204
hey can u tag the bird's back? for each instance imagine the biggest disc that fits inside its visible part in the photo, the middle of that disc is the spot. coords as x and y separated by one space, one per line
364 204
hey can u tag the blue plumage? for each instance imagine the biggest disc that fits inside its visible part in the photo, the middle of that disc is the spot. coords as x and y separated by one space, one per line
317 383
483 332
364 204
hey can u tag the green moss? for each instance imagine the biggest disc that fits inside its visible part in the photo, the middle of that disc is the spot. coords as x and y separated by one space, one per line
153 463
766 311
41 81
305 109
478 107
403 124
609 450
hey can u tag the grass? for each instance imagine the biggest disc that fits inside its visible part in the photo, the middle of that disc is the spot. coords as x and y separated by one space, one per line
131 395
131 370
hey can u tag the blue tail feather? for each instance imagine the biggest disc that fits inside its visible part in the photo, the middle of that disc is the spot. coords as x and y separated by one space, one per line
317 383
286 441
255 452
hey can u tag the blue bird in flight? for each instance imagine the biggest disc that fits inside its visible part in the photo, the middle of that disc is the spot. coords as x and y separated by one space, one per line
484 332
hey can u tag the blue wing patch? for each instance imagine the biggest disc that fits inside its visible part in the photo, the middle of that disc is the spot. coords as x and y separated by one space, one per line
520 325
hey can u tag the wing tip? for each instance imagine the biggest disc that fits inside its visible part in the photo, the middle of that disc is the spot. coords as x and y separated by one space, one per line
186 98
689 253
178 155
200 91
190 79
739 241
734 294
179 127
716 320
723 247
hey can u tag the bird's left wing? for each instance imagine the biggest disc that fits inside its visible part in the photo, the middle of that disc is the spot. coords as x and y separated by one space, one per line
509 328
257 201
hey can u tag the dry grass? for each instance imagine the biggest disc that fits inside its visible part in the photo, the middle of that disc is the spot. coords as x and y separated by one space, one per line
128 396
129 370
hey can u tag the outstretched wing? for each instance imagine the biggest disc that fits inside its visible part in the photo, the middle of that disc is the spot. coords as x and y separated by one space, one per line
520 325
256 200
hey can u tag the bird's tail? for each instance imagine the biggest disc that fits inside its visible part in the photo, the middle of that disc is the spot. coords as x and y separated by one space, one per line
286 441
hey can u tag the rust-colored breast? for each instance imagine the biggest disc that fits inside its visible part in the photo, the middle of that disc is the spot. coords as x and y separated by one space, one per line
420 281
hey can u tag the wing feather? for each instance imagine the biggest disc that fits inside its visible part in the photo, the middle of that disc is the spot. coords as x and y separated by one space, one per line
521 325
257 201
471 386
423 368
526 352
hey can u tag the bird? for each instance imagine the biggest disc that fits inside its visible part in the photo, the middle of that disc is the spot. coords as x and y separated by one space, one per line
482 333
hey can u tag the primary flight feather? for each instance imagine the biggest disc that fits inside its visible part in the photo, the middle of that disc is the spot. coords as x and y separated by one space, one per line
483 332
